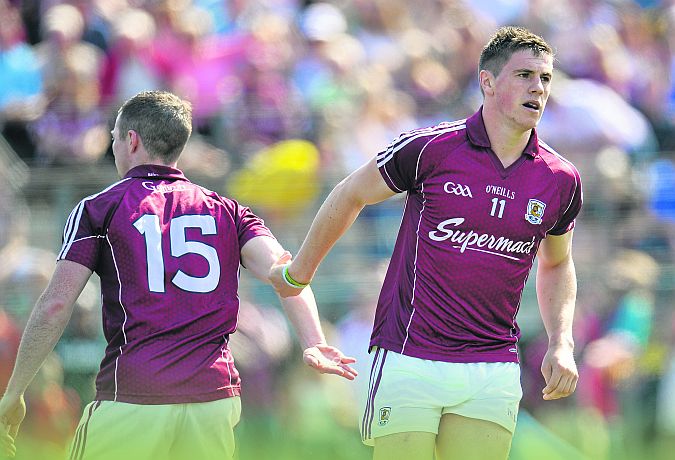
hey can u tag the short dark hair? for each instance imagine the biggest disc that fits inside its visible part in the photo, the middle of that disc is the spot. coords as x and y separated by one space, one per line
162 120
505 42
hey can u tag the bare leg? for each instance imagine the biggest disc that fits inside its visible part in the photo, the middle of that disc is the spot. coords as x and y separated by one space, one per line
463 438
405 446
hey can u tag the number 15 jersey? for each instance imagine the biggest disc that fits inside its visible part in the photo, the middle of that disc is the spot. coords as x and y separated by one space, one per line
167 252
468 239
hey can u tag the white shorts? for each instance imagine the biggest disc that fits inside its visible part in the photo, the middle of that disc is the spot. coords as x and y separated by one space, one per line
115 430
410 394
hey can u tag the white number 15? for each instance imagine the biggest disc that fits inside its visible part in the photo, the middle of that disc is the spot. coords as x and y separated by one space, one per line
148 226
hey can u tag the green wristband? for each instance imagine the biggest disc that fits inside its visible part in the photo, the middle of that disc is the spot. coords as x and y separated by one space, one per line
288 279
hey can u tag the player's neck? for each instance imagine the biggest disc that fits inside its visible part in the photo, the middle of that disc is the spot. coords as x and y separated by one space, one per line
506 141
142 157
508 150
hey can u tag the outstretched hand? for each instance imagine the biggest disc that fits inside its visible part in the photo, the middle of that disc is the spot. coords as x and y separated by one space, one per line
276 277
329 360
12 413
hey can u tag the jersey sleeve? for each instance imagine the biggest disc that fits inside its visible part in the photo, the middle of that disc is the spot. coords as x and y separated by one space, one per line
249 225
81 241
398 162
573 196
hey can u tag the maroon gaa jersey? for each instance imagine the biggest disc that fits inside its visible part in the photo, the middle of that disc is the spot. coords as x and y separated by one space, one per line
468 239
167 252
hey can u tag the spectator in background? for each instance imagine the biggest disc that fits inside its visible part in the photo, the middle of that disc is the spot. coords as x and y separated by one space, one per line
664 116
20 79
665 407
205 73
327 74
128 67
267 108
615 336
96 25
10 334
73 128
21 87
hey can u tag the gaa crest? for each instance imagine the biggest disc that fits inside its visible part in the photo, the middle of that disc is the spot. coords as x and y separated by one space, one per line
385 412
535 211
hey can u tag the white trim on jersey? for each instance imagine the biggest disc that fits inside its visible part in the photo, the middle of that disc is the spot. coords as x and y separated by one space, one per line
419 157
68 227
386 155
124 310
417 244
73 222
414 132
392 181
87 238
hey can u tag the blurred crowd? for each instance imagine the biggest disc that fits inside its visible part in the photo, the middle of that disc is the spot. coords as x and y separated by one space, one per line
290 95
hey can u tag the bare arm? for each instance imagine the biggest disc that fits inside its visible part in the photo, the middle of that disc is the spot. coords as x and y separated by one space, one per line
556 292
260 255
45 327
338 212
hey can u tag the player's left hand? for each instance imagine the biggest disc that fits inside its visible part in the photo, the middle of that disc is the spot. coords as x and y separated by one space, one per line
329 360
560 372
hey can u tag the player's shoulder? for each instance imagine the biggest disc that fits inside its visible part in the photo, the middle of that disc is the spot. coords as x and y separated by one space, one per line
113 192
230 204
443 129
212 195
415 141
100 204
559 165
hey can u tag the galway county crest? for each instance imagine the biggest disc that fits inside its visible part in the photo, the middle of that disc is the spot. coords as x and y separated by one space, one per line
535 211
385 412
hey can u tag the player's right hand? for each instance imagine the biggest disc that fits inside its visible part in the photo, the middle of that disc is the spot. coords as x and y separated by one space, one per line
329 360
12 413
560 373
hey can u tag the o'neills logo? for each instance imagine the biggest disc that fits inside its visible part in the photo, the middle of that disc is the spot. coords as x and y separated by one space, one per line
482 242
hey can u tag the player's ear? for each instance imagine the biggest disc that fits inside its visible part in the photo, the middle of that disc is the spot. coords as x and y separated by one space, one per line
486 80
132 139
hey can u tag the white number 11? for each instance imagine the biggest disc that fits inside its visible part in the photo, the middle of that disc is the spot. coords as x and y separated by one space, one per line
502 203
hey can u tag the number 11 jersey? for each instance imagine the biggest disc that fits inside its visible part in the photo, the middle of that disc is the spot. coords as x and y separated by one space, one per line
468 239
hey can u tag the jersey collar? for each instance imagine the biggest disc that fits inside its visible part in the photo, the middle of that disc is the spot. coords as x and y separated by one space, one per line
155 172
475 128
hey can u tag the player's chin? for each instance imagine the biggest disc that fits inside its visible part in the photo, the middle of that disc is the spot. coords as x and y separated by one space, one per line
530 123
530 118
